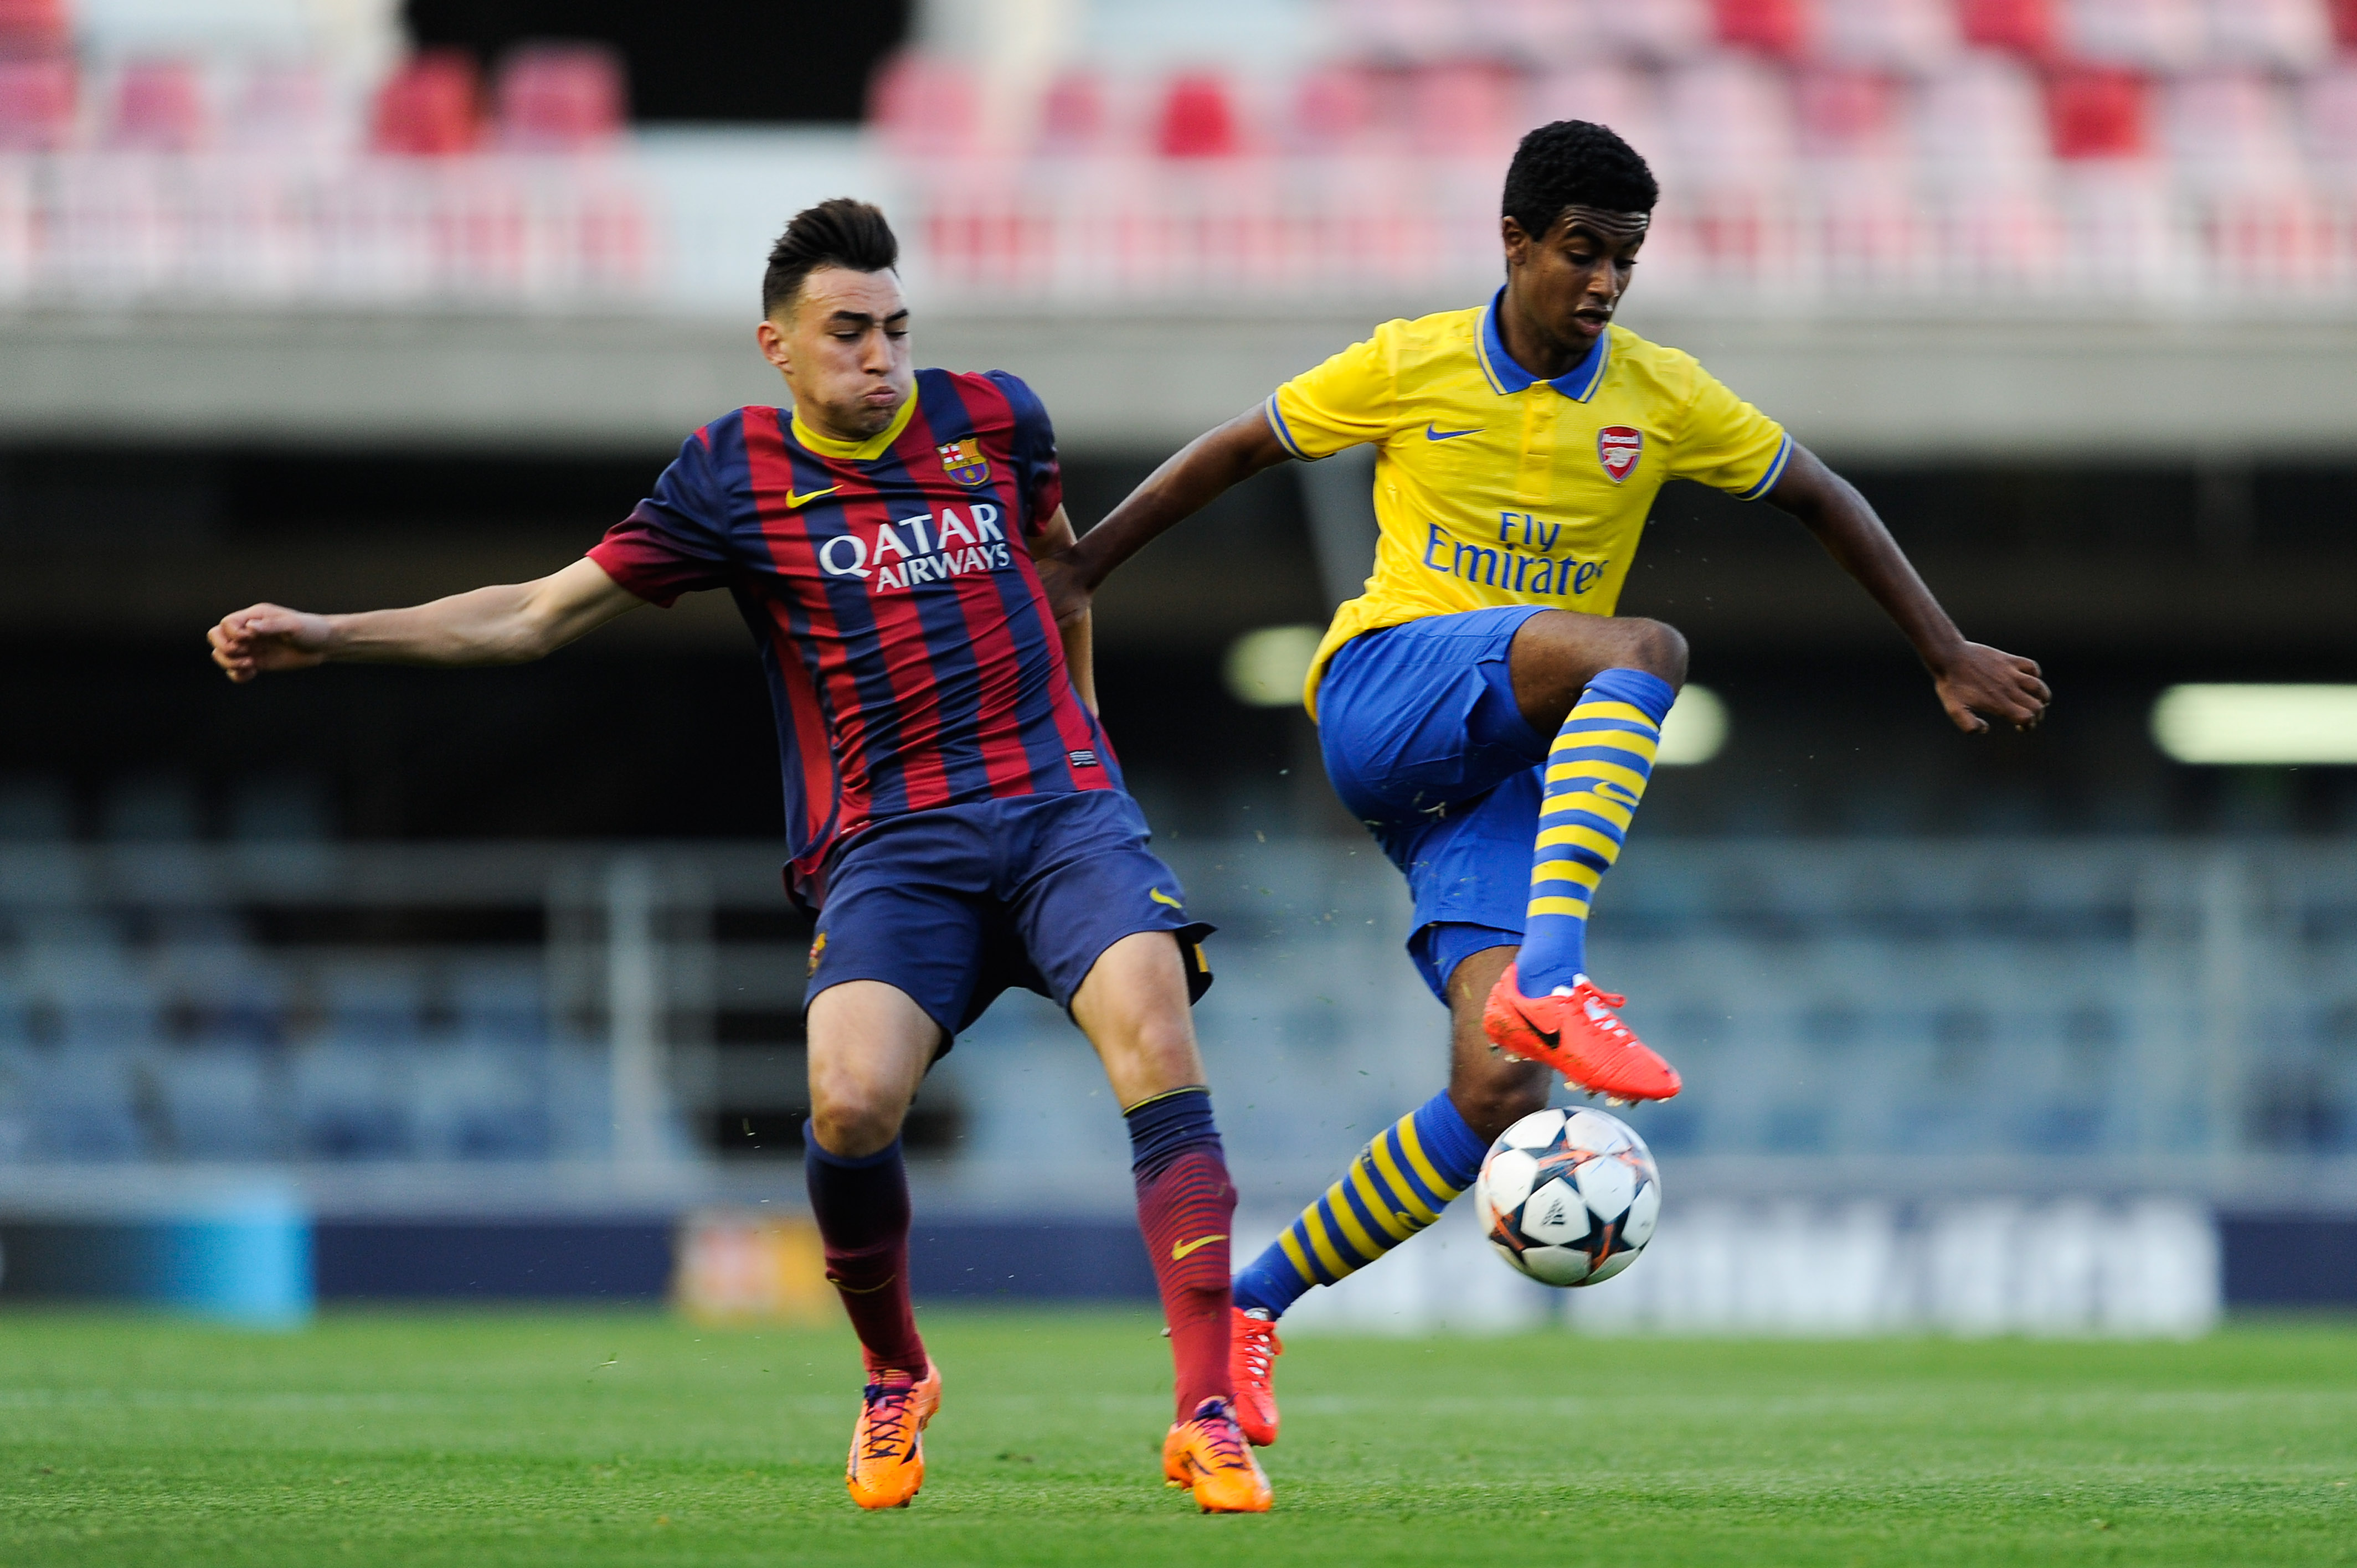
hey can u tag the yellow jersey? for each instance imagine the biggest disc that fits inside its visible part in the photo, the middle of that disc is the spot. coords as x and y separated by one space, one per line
1495 487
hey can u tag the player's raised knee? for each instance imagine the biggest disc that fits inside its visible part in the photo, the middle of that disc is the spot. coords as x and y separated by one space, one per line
1655 647
856 1126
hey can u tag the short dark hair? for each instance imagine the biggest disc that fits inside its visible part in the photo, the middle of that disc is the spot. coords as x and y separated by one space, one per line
1574 163
843 232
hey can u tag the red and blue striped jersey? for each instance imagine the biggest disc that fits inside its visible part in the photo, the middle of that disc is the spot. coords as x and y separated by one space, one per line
913 662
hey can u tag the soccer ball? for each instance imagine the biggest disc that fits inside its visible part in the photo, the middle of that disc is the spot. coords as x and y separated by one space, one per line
1568 1198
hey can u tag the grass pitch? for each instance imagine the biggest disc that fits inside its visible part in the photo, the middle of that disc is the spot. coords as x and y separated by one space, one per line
590 1439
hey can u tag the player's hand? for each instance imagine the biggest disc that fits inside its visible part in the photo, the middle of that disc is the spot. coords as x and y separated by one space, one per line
1980 680
264 638
1067 596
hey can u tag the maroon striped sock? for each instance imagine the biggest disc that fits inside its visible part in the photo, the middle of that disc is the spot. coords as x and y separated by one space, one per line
1184 1209
862 1208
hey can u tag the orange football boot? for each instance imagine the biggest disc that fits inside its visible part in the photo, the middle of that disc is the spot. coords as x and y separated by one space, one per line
887 1445
1253 1350
1577 1033
1208 1452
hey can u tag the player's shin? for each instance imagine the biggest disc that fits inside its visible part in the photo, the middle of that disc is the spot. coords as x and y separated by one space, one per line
1398 1186
862 1208
1596 776
1185 1202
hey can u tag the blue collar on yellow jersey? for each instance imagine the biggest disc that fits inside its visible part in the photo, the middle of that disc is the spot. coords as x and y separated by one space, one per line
1577 383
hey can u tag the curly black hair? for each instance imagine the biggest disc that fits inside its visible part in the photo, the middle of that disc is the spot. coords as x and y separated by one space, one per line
842 233
1574 163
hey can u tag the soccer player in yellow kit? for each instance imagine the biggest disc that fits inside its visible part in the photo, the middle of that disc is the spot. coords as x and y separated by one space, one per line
1480 707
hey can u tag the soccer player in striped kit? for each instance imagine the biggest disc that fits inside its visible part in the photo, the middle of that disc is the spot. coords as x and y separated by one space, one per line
953 812
1481 707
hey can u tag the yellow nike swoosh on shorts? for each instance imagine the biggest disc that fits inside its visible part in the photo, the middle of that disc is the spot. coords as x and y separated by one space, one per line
1159 896
1178 1249
809 495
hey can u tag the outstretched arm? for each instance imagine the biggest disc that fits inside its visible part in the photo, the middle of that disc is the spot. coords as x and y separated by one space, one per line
1080 645
1205 467
1971 680
508 625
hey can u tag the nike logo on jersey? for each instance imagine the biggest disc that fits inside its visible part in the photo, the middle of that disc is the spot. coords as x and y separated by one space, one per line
1432 433
809 495
1178 1249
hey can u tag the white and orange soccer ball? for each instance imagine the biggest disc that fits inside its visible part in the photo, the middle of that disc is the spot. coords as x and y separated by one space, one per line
1568 1198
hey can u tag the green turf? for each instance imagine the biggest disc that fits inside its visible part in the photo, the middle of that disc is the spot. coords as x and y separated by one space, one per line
588 1439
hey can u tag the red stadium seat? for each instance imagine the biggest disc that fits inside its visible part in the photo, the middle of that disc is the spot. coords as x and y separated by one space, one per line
36 103
561 98
431 107
2344 23
33 28
2020 26
1198 118
1847 114
1780 27
158 106
2097 115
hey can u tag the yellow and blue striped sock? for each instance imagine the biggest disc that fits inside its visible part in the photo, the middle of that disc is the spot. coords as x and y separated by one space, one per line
1398 1186
1596 774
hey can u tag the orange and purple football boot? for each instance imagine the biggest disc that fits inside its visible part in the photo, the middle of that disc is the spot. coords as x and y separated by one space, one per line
1574 1032
1253 1350
887 1445
1208 1452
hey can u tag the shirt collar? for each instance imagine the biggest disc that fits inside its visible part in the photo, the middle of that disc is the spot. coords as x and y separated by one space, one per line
873 447
1577 383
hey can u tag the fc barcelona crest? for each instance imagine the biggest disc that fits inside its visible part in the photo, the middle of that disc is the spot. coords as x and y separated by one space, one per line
1618 447
963 462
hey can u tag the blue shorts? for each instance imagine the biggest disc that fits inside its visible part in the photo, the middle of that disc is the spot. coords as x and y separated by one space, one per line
954 905
1426 744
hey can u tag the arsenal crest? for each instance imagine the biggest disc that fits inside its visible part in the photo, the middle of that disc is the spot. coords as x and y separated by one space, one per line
1618 447
961 461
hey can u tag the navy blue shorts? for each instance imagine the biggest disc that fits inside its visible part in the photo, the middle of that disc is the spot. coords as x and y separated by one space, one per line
1426 744
954 905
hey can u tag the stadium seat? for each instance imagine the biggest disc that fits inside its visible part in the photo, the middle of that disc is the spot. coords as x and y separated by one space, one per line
1842 113
1615 95
561 98
1198 118
2025 28
1779 28
36 29
157 106
924 107
1465 110
1729 120
1895 35
2097 114
2285 34
36 103
1656 32
431 107
287 107
1075 114
2151 35
2328 116
1333 110
1981 120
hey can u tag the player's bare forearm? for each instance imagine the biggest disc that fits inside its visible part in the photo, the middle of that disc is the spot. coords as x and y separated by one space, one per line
510 624
1080 657
1190 480
1053 539
1975 683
